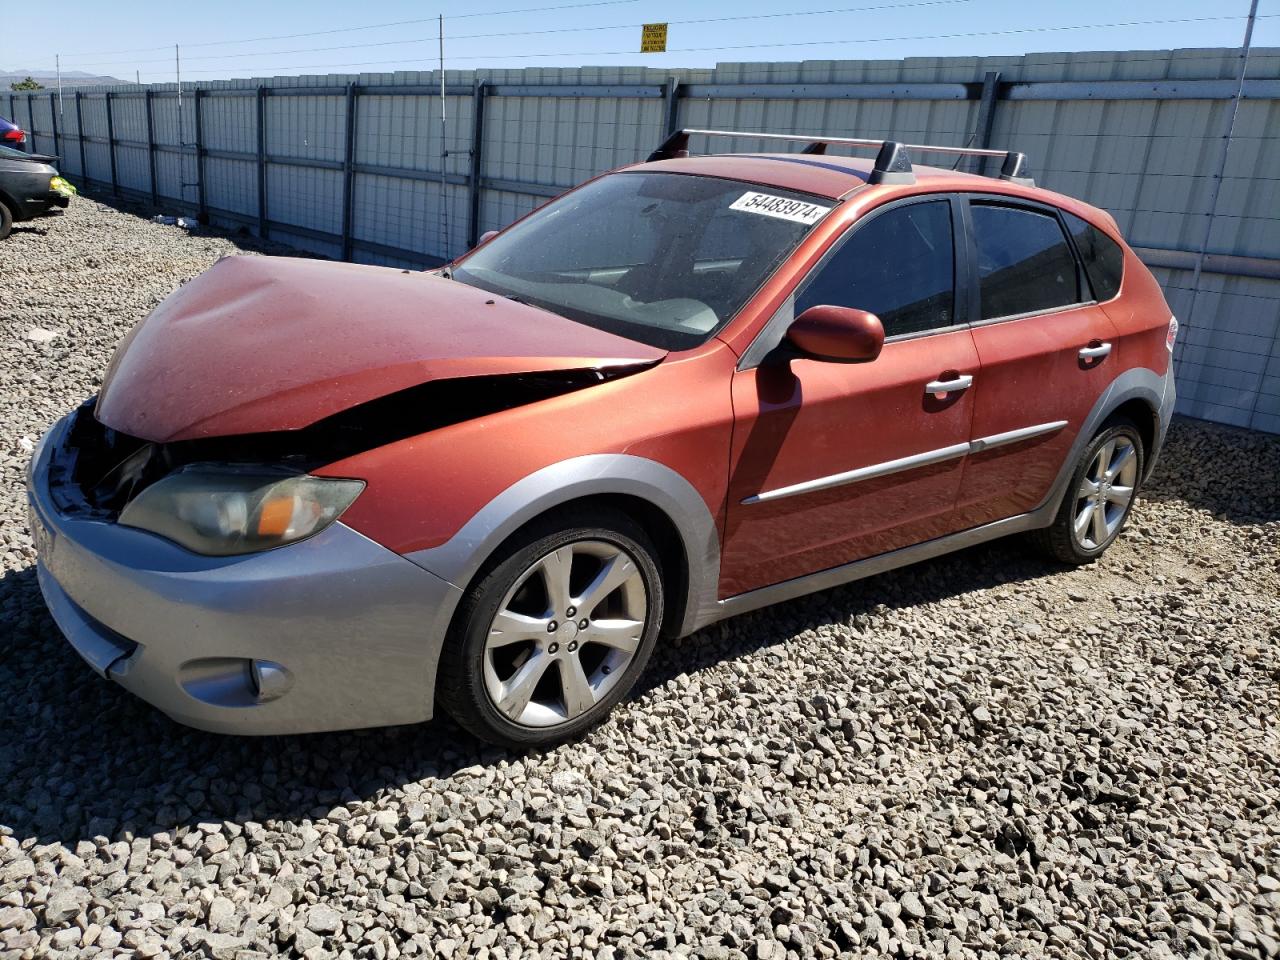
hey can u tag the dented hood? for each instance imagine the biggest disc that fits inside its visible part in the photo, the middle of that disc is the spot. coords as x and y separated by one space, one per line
258 344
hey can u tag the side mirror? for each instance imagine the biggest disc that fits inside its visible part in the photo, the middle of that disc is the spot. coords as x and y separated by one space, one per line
839 334
486 237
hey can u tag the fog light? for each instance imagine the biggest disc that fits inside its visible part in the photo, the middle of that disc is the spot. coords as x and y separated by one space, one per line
270 680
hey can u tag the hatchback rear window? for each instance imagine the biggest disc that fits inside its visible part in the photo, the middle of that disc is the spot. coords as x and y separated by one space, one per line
1024 262
1103 258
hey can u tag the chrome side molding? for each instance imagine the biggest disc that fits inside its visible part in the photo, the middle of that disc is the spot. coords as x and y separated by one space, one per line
863 473
928 458
1013 436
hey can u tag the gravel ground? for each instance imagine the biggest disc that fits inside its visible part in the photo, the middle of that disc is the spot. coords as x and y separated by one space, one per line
984 755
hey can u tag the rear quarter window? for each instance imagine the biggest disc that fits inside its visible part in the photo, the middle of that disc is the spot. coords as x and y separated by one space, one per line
1103 257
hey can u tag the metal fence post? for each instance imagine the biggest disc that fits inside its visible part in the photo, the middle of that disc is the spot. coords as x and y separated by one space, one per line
111 147
348 170
202 207
84 170
671 105
53 119
151 148
986 117
31 122
262 162
478 94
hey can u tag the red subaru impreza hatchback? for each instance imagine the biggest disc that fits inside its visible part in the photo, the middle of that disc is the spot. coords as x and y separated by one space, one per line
315 495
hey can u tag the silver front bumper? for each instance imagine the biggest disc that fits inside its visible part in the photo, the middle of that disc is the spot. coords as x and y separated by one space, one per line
356 627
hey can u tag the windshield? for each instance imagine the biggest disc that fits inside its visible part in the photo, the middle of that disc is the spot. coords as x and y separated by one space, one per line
13 154
666 259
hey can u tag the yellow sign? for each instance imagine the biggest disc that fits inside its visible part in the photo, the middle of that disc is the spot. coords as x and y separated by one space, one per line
653 38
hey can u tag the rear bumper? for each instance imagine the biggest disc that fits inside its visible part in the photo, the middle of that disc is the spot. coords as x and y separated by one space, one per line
355 626
1168 400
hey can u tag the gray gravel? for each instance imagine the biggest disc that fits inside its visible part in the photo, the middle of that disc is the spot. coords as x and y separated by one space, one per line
985 755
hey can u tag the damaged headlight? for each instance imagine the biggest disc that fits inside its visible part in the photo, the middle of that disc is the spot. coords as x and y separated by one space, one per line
224 510
63 187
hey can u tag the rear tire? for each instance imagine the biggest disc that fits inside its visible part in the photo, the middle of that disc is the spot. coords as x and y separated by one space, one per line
1099 497
6 221
555 631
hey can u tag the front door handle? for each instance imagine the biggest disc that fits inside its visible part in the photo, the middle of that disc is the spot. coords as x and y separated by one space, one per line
963 382
1095 351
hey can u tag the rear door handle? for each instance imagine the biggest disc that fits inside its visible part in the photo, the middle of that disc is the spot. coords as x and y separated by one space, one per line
962 382
1095 352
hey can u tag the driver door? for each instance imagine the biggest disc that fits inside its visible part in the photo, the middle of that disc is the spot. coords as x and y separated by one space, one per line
836 462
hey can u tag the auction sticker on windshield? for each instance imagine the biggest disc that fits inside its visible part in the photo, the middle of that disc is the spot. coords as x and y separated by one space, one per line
784 208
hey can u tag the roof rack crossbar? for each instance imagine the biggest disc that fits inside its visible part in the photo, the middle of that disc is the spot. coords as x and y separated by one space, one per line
893 162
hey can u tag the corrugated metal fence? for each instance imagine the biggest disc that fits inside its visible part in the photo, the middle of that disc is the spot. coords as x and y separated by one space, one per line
350 166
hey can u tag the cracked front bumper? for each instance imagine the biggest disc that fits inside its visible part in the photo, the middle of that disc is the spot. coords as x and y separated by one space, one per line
355 627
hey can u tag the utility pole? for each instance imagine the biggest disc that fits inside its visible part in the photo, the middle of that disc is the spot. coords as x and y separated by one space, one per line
1215 186
444 154
182 140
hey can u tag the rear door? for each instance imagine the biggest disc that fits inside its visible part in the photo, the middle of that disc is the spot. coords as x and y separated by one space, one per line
1045 351
836 462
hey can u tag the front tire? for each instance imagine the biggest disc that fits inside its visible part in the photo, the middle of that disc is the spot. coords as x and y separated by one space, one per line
6 221
1099 498
555 631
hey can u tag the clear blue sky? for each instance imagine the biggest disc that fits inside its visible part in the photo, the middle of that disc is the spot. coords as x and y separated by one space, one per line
220 39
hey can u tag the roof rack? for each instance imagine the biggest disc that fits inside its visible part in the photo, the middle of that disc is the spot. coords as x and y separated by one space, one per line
893 161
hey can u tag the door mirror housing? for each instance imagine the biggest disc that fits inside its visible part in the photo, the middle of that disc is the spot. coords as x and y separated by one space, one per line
838 334
486 237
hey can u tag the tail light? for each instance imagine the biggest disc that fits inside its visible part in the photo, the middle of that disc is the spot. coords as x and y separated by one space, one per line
1172 335
13 136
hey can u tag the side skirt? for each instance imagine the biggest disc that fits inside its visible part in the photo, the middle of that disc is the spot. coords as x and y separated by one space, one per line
835 576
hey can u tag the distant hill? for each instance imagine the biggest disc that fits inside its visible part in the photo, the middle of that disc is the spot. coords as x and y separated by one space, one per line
70 78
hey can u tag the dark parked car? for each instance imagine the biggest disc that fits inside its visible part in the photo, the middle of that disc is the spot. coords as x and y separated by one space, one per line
29 187
11 135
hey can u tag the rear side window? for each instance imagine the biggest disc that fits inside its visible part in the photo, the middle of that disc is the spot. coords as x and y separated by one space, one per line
1024 262
900 265
1102 256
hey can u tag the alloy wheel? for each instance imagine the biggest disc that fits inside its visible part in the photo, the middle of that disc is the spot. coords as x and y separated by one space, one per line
565 633
1105 493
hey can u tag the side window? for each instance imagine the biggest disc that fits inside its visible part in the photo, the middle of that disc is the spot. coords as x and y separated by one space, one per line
1024 262
900 265
1102 256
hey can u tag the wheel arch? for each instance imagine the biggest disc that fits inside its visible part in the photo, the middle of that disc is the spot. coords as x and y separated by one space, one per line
1144 415
1144 396
658 498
